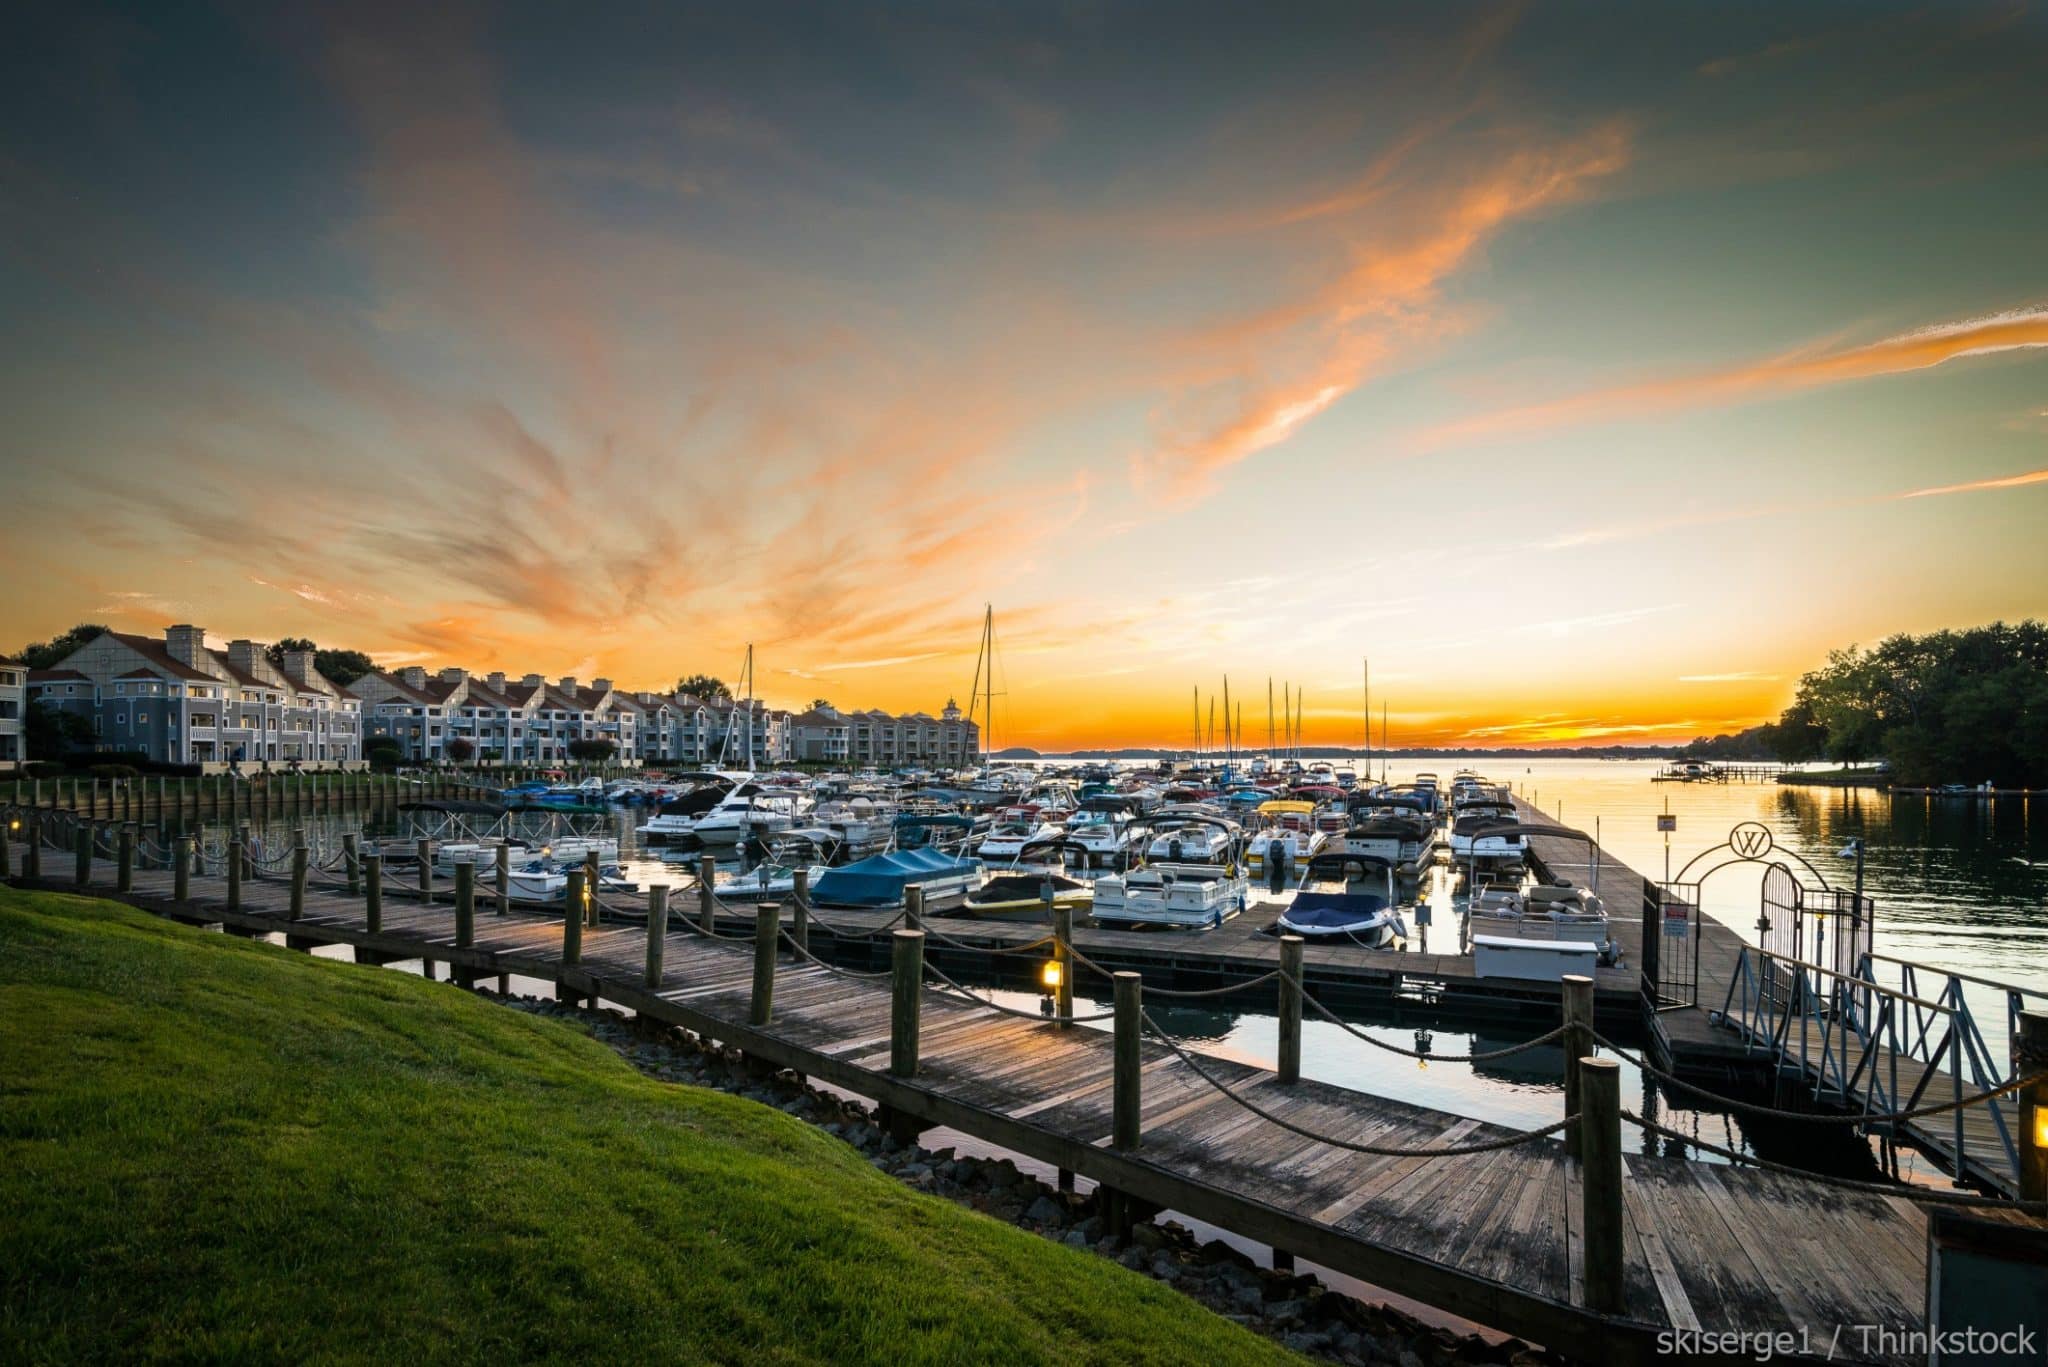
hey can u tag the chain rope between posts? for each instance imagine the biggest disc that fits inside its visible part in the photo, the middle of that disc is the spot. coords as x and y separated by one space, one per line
1432 1056
856 974
1860 1118
1040 1016
1354 1146
946 939
1185 993
1904 1191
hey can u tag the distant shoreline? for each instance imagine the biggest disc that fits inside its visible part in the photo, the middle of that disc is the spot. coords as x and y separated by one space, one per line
1337 752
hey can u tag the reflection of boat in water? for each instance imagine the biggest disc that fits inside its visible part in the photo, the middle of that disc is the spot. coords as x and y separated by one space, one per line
1177 896
1346 897
1542 1063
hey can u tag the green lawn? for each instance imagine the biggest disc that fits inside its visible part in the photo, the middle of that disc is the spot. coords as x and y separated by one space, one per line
211 1148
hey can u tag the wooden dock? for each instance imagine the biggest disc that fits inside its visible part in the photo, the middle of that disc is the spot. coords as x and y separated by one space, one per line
1492 1236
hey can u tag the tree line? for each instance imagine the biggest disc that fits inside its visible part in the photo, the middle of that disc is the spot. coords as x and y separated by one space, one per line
1966 706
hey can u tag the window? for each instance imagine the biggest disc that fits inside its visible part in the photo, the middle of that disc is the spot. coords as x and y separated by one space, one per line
121 719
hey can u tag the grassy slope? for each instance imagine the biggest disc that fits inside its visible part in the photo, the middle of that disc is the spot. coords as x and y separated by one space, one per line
215 1148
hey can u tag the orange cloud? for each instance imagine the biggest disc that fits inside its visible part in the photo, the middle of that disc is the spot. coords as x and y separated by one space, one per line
1924 349
1977 485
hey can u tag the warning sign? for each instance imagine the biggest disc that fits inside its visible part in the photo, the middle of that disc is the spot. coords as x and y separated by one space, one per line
1667 822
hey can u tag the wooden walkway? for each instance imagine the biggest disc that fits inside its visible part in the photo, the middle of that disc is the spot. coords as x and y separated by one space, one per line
1493 1237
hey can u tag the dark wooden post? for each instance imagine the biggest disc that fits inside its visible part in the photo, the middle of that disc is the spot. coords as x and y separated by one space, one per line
124 873
504 862
707 897
236 857
7 838
1600 1181
351 862
1290 1008
181 877
300 858
592 881
1578 1044
767 924
1063 960
913 907
906 1000
426 853
800 909
373 892
572 920
465 904
2030 1057
1130 1001
32 857
81 848
657 933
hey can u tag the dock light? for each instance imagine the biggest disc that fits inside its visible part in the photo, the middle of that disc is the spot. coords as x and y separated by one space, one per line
2041 1127
1049 975
1423 1042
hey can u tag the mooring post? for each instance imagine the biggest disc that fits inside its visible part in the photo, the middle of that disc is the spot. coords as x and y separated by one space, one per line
7 838
1063 964
301 857
1130 1003
657 932
800 909
373 892
351 862
592 881
1290 1008
906 999
572 919
767 925
248 853
465 904
1600 1181
32 857
426 854
235 858
913 907
181 877
504 870
1578 1044
124 870
707 896
2029 1058
81 847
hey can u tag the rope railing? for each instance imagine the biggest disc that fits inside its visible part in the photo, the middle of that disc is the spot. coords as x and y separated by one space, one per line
1185 993
1477 1056
806 954
1904 1190
965 993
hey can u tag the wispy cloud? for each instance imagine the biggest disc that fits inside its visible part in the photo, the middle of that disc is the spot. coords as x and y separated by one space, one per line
886 662
1738 676
1979 485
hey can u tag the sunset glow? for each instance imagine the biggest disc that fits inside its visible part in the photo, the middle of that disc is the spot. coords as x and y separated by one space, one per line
1593 375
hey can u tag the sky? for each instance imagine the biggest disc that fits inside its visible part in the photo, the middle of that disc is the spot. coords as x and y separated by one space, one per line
1591 370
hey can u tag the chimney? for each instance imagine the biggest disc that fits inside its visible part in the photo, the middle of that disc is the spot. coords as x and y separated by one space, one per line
298 667
412 676
496 680
601 685
246 657
185 643
568 683
532 681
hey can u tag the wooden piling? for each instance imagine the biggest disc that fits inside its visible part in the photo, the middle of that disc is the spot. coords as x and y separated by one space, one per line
373 892
1063 960
351 862
236 858
593 881
301 857
124 869
7 839
181 876
504 871
1290 1008
707 894
767 925
2030 1057
800 909
1125 1070
906 998
81 848
572 919
426 853
465 904
1578 1044
913 907
1600 1182
657 933
32 857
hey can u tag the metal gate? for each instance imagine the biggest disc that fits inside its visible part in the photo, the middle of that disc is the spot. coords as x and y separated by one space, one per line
1779 926
1671 944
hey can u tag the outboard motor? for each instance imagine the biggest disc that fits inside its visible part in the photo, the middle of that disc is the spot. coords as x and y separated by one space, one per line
1276 871
1173 851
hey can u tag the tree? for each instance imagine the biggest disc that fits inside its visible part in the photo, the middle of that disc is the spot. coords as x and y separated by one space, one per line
459 749
592 750
820 705
277 650
46 654
703 686
382 752
340 667
51 732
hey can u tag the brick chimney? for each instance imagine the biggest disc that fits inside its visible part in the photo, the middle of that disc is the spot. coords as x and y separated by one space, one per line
412 676
247 656
496 679
532 681
567 684
185 644
298 667
601 685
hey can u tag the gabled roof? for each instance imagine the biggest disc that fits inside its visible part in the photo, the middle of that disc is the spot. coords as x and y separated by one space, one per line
818 717
158 654
401 687
56 676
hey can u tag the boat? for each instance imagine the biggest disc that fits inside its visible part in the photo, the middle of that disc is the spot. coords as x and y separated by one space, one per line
773 879
1173 896
880 880
1021 892
1007 839
1346 897
1395 828
1187 834
749 809
1545 911
1104 837
680 816
1287 833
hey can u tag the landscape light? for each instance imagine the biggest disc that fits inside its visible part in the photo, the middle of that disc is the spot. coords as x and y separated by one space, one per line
1049 976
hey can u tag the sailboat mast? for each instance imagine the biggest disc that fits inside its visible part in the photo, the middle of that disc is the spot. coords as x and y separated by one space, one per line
1269 716
1384 742
1367 664
1229 736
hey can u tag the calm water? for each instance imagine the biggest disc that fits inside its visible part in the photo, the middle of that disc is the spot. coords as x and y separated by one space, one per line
1958 883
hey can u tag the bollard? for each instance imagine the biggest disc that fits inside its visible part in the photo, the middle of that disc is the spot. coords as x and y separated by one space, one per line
351 862
767 924
592 882
7 839
1578 1044
504 861
1600 1181
906 997
81 846
707 896
913 907
181 878
124 870
2029 1057
465 904
1290 1008
32 857
1063 959
235 858
572 919
426 853
248 853
301 856
373 892
657 933
800 909
1129 1024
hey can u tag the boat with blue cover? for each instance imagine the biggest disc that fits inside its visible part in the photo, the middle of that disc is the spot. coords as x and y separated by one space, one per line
880 880
1346 897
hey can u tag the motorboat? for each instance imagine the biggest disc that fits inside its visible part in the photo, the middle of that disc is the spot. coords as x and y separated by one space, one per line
1560 911
771 879
1104 837
481 855
881 880
749 809
1396 829
574 849
1191 835
679 817
1007 839
1176 896
1022 893
1286 833
1347 897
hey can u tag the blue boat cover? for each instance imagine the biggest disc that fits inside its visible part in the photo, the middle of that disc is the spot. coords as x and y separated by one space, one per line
879 880
1335 910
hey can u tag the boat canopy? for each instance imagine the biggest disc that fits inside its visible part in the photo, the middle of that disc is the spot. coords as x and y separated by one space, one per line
1284 806
879 880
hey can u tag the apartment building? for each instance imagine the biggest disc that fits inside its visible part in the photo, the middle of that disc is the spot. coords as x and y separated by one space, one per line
13 713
